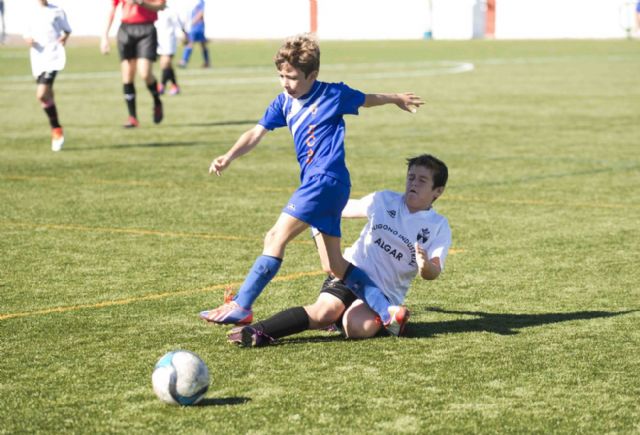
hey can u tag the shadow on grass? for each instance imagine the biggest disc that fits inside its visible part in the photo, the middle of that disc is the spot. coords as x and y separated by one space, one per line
138 145
306 340
223 401
503 324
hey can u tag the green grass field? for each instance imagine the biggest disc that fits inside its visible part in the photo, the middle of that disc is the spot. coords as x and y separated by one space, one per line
110 248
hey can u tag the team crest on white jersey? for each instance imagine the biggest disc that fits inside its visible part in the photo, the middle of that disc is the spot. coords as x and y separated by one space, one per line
423 235
391 213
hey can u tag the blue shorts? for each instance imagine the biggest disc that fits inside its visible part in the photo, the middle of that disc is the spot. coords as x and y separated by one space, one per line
197 36
638 7
319 202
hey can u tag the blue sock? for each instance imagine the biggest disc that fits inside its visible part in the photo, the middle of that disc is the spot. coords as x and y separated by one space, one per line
186 54
261 274
360 283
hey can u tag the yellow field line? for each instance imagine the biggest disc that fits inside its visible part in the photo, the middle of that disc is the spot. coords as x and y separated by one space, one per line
138 231
148 297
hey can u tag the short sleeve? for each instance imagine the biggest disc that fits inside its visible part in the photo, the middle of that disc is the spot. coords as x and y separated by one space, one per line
274 115
350 100
439 245
367 203
64 23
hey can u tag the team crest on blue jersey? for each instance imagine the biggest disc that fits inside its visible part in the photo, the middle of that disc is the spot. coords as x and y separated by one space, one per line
423 235
391 213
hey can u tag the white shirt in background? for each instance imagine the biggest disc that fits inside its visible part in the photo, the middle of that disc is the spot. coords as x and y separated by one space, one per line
46 25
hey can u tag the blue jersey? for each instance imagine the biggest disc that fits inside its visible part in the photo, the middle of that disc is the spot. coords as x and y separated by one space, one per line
317 126
199 26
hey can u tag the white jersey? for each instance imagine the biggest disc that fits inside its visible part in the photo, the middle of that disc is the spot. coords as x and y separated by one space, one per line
46 25
385 249
168 26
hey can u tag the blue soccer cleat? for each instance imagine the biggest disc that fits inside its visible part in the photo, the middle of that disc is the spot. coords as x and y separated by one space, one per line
229 313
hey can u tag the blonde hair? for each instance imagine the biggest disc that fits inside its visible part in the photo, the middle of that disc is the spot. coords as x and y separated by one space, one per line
300 51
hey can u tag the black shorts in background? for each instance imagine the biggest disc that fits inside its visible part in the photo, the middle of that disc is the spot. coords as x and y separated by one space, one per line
136 41
47 78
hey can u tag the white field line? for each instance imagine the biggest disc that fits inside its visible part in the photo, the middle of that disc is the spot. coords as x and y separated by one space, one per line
398 70
258 75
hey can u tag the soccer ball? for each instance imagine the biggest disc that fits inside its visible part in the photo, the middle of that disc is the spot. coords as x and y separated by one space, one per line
180 378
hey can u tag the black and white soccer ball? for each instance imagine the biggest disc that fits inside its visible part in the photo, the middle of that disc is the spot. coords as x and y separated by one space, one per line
180 377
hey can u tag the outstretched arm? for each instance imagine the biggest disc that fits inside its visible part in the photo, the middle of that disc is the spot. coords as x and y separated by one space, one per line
428 269
245 143
354 209
407 101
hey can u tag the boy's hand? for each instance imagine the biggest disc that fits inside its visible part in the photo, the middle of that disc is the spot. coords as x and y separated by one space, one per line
409 102
421 257
218 165
104 45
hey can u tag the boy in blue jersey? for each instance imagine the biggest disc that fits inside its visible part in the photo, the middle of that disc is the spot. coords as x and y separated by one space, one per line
195 33
313 111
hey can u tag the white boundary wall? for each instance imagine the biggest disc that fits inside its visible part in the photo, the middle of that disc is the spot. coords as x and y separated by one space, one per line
374 19
520 19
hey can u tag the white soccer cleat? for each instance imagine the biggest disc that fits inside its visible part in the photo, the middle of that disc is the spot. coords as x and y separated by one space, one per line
399 318
57 139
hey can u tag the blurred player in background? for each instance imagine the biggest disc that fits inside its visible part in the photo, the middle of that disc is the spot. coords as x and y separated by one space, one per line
638 18
46 33
137 45
313 111
404 237
4 33
168 27
194 27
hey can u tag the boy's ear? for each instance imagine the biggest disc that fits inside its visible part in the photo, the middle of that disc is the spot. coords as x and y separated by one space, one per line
313 75
438 191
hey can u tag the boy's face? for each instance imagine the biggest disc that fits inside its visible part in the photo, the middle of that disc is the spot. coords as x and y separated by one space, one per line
419 192
294 82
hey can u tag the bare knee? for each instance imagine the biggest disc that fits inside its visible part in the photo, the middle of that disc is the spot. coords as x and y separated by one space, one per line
325 311
274 241
44 96
360 330
360 322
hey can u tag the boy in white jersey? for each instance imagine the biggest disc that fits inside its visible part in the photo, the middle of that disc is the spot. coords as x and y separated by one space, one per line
313 111
404 236
46 33
168 26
